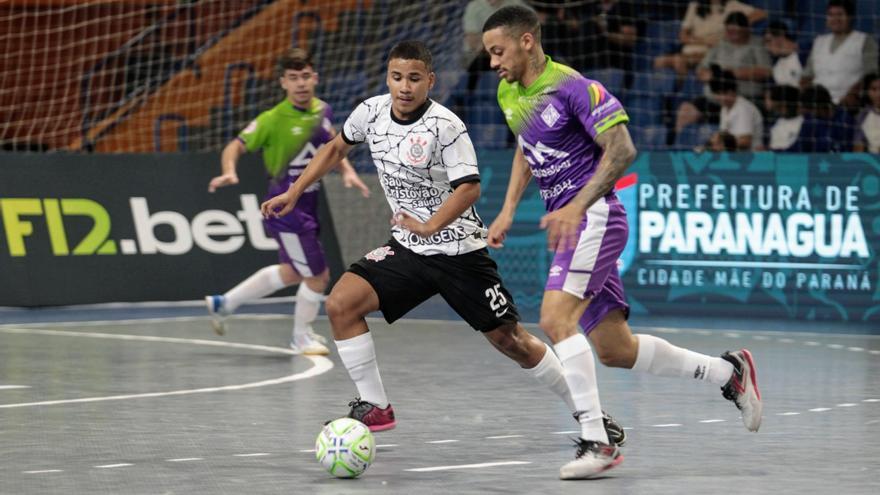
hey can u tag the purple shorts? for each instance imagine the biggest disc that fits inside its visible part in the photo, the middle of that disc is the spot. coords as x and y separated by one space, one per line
302 251
589 270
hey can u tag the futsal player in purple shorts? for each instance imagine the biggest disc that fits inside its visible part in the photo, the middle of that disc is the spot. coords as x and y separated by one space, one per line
572 138
288 135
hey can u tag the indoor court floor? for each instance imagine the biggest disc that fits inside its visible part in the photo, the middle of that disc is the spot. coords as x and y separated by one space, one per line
164 406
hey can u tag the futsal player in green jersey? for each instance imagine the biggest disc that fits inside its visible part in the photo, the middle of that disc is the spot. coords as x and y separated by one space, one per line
288 135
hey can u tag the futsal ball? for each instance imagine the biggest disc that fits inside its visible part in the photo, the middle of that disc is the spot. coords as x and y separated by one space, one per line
345 447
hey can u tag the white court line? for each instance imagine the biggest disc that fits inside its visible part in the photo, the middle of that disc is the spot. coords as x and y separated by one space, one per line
732 335
255 454
870 400
835 346
498 437
468 466
847 404
855 349
320 365
712 420
567 432
442 441
186 459
41 471
385 445
820 409
110 466
790 413
811 343
12 387
669 425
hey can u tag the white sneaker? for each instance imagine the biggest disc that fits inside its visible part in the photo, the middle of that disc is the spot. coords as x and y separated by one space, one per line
742 388
592 459
308 345
217 310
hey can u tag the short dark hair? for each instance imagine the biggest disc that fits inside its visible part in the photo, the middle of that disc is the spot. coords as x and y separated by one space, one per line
737 18
412 50
728 140
847 5
294 59
516 19
723 82
779 28
816 100
788 97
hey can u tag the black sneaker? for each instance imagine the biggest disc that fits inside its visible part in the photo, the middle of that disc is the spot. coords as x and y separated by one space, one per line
616 433
371 415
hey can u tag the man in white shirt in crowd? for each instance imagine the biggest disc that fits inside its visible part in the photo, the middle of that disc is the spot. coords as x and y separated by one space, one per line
840 59
787 69
739 116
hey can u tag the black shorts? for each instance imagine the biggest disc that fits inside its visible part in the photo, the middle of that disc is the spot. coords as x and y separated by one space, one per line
469 283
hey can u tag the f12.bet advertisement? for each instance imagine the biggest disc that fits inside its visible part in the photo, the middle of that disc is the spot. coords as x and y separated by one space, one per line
104 228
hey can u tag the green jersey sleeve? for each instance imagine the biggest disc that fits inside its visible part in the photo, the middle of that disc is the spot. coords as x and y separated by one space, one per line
255 135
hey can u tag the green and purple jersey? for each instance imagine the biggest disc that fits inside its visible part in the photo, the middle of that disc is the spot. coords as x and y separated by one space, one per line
556 120
289 137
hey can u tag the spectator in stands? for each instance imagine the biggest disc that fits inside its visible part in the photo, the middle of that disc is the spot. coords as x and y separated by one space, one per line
738 115
561 32
741 54
702 28
612 29
867 132
474 57
816 132
839 59
782 46
782 102
721 141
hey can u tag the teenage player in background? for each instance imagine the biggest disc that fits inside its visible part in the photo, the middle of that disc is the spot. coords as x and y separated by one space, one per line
428 170
288 135
573 139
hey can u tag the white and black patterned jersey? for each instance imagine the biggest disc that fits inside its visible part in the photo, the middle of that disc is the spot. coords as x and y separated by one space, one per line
420 161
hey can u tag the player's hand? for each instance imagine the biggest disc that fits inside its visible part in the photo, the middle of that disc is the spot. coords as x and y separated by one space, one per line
222 181
278 206
351 179
562 227
401 219
498 231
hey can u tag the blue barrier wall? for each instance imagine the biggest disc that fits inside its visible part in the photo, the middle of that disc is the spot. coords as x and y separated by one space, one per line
735 235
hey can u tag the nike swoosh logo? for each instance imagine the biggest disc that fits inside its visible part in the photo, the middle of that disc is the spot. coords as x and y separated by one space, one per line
499 314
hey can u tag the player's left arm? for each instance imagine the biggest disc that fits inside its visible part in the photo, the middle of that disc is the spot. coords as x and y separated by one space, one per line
463 197
619 153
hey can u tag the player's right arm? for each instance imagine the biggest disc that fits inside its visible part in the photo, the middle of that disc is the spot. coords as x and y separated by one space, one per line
326 159
228 161
520 175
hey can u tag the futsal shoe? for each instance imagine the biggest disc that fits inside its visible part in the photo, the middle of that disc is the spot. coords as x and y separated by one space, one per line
308 345
371 415
615 432
742 388
592 458
217 310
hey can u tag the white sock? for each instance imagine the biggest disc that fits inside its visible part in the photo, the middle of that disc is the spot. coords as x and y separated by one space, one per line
659 357
580 374
308 302
262 283
359 357
549 372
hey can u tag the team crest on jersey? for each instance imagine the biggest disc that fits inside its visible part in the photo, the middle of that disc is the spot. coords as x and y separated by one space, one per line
250 127
550 115
417 154
379 254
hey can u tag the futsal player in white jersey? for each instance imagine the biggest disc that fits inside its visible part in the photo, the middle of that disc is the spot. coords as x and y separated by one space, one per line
428 170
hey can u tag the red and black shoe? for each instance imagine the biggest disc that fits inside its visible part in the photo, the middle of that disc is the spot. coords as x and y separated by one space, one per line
371 415
742 388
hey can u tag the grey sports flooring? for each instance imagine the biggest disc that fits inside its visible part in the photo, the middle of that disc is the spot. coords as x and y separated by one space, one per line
164 406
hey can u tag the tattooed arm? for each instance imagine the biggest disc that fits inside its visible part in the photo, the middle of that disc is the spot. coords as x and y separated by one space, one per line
619 153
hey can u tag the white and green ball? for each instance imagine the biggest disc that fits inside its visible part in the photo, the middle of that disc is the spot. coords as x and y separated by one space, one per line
345 447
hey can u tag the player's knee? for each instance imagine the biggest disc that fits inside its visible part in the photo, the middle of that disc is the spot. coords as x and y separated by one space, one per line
621 355
339 309
554 327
